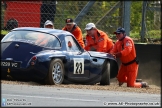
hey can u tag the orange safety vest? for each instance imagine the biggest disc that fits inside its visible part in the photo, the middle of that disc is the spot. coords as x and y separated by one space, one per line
101 42
127 49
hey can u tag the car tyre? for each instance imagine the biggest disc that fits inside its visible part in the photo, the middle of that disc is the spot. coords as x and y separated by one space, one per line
56 73
105 79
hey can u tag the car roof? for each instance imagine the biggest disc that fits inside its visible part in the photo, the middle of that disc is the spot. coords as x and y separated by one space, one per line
45 30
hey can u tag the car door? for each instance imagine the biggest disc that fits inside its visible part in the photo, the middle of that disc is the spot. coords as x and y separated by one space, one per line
78 66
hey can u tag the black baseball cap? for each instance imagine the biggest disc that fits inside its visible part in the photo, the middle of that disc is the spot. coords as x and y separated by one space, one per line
69 21
119 30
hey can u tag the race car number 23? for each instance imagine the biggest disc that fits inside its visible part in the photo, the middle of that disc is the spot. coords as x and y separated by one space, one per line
78 66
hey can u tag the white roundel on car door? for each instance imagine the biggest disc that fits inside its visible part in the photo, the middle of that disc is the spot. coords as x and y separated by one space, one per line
78 65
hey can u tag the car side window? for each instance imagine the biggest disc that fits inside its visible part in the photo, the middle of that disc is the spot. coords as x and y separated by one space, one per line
70 44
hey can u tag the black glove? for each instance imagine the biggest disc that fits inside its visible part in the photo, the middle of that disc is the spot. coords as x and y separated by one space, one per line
118 54
92 49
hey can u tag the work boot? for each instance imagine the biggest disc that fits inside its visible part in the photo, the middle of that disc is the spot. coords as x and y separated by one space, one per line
121 83
138 80
144 84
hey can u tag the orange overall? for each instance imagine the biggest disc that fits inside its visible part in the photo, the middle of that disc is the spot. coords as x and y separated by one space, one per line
101 42
78 35
127 72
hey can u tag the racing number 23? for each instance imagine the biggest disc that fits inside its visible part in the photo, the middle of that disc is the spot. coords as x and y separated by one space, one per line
78 66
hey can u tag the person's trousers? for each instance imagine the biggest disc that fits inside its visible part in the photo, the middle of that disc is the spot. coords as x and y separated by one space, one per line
127 74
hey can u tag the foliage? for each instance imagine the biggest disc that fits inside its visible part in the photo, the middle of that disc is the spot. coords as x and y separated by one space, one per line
156 34
4 32
136 16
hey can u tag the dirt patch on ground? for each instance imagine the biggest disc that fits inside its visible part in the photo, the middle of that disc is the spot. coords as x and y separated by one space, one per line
152 89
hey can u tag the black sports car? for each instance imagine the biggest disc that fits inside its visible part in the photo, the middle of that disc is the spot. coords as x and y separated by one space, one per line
54 56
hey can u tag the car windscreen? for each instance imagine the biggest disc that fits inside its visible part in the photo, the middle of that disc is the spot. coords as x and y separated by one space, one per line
33 37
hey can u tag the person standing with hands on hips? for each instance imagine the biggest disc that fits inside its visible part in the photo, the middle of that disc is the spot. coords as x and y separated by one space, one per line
124 49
